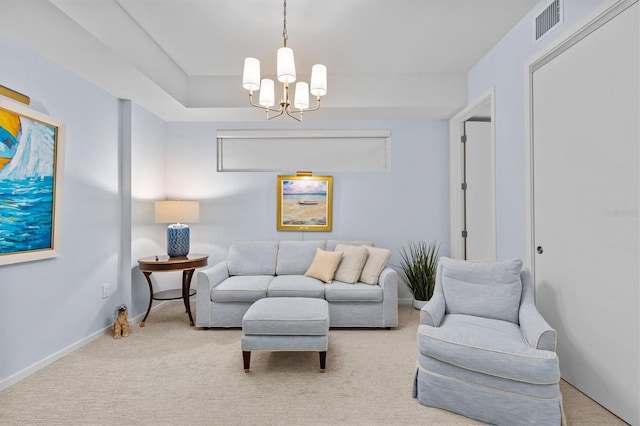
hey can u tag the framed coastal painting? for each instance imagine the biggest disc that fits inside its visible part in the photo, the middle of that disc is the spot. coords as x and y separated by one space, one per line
31 163
304 203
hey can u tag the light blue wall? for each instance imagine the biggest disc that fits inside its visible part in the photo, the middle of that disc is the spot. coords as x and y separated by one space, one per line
409 202
49 305
120 158
505 68
114 169
148 170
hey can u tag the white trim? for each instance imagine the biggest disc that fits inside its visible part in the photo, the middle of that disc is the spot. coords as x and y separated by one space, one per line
455 174
23 374
284 134
563 42
26 372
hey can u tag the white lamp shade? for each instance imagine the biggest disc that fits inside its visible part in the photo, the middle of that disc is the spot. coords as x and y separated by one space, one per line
251 74
301 100
267 98
177 211
286 65
318 80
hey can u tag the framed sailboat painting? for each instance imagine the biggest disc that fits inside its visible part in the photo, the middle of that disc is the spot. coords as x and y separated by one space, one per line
31 168
305 202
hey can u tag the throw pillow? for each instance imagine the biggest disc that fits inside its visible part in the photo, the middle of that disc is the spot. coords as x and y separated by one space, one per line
484 289
376 261
324 265
353 260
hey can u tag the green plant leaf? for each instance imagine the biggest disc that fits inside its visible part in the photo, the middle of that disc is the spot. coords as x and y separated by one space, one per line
418 264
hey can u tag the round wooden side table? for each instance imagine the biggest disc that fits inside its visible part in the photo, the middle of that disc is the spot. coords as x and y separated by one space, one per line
164 263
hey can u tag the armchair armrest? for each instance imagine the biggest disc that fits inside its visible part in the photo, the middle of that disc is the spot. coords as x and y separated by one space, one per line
433 312
536 331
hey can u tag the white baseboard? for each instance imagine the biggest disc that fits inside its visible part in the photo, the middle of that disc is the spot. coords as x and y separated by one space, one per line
405 302
23 374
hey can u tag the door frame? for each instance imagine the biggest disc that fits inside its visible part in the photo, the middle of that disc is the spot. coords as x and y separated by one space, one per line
573 35
456 201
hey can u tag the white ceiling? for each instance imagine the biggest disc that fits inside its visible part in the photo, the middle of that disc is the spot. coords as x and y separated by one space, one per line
182 59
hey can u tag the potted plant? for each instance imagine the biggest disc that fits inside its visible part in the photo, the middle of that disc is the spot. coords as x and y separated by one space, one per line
418 263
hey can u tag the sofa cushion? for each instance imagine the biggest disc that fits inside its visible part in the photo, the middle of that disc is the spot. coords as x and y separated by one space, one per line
358 292
489 346
241 289
376 261
484 289
324 265
353 260
252 258
295 257
295 286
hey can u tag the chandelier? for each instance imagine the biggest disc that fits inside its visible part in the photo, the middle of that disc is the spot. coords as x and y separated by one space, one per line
286 69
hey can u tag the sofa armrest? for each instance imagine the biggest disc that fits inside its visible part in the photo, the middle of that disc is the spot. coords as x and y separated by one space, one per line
388 280
211 276
433 312
208 278
536 331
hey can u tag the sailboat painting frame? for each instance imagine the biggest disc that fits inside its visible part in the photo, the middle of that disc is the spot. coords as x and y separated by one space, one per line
31 183
304 203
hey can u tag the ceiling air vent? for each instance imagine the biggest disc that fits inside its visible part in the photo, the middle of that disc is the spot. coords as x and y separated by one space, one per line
548 18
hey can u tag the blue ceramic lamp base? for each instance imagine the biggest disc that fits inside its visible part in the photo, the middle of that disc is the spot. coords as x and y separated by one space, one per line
178 240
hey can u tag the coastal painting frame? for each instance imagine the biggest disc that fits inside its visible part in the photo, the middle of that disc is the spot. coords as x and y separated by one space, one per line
31 183
305 203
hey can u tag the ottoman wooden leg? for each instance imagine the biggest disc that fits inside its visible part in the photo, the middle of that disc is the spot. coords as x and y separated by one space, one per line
323 360
246 358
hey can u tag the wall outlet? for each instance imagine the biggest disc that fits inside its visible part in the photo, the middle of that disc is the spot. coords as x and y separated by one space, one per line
105 291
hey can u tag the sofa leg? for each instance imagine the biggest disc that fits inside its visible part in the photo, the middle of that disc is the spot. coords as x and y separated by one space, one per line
323 360
246 358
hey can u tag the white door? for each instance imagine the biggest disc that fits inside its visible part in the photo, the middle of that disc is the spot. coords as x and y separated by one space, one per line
585 142
478 187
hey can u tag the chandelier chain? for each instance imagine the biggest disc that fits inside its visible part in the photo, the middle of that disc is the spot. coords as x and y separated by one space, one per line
285 36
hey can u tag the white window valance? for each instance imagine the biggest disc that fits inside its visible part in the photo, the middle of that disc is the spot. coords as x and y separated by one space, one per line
312 150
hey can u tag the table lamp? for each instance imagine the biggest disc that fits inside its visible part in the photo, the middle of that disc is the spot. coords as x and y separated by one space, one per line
177 213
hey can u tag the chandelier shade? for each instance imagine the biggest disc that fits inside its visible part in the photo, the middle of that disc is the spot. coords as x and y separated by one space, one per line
286 74
286 65
251 74
301 99
318 80
267 97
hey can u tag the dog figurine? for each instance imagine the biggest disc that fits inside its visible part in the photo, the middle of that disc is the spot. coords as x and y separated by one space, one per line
121 324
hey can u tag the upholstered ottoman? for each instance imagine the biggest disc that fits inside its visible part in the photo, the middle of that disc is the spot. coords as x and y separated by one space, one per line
286 324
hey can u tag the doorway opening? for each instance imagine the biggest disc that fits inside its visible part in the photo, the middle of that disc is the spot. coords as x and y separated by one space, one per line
472 181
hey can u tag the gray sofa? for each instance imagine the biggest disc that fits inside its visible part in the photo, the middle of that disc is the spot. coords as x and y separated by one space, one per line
258 269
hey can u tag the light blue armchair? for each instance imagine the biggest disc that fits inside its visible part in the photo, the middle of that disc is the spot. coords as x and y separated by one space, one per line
484 349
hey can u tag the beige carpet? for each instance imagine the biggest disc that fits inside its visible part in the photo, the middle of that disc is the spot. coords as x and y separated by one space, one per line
170 373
